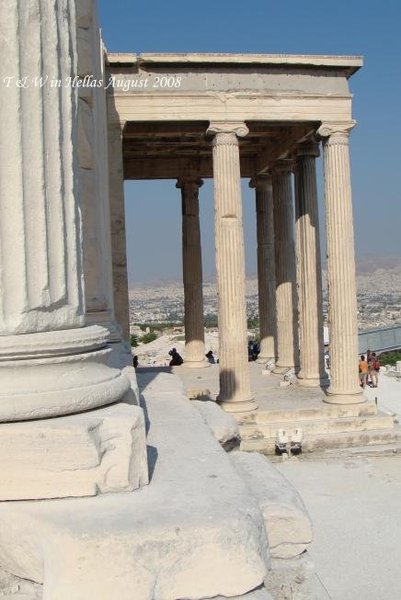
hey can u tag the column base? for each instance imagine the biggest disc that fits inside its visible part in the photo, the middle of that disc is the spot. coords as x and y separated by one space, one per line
196 364
95 452
57 373
103 318
344 398
279 370
121 355
238 405
322 382
264 360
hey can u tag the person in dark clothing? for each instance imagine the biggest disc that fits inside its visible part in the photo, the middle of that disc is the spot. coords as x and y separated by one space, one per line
135 361
176 359
253 350
210 357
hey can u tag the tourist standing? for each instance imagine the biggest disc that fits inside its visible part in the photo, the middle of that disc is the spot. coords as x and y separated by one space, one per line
363 371
368 360
374 369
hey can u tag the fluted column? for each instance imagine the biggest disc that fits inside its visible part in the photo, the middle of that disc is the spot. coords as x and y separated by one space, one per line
57 366
286 293
343 325
266 268
92 162
312 371
118 238
235 391
94 184
192 273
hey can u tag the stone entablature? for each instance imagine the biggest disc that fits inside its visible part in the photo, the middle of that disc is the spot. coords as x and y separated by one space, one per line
174 97
219 86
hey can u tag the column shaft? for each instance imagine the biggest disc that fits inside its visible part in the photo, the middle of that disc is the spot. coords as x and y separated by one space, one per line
92 161
118 238
192 274
343 324
235 392
57 366
94 185
286 294
266 269
312 372
39 216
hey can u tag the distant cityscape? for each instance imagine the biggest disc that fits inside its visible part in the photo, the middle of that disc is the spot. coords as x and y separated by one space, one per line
378 293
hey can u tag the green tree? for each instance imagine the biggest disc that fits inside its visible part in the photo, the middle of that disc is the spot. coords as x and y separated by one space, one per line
148 337
390 358
134 340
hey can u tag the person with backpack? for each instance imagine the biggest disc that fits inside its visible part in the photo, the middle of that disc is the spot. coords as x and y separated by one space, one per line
374 369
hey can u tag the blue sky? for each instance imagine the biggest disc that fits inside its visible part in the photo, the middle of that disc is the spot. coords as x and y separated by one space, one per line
367 28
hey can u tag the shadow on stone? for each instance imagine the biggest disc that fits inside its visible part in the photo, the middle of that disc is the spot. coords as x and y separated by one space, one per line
152 460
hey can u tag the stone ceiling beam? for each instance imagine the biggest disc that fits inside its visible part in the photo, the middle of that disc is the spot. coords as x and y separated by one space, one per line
281 148
137 168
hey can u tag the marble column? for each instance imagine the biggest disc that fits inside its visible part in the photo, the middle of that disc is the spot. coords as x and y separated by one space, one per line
118 238
50 363
286 293
235 390
343 325
309 271
266 268
192 273
94 184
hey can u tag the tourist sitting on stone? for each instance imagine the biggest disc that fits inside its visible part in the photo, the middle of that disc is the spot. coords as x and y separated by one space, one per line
363 371
210 357
176 359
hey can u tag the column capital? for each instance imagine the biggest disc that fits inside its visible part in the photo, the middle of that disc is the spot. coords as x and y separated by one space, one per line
184 180
308 148
261 183
285 165
335 132
226 132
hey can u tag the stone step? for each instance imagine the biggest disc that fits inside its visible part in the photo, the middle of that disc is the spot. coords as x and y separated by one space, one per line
197 529
280 503
323 411
385 449
318 426
322 442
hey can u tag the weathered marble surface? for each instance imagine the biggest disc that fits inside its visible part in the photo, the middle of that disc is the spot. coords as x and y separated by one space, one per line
287 522
194 532
224 427
93 452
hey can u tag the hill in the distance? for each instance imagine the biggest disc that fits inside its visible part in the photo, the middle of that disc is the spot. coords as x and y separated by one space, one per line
385 267
370 264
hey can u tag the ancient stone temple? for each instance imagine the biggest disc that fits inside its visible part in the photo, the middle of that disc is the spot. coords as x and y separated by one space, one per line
106 492
266 118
